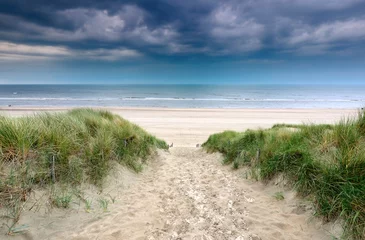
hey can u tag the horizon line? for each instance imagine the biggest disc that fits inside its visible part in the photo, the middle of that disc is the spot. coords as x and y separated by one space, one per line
167 84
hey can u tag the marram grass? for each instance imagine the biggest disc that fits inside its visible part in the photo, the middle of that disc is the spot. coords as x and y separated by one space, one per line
67 148
323 162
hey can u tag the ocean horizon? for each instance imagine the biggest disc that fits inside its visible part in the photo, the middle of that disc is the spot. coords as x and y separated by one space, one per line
183 96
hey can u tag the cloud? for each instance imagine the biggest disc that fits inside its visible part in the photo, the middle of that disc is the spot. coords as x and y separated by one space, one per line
235 31
209 28
23 52
125 27
177 48
329 38
94 24
158 36
108 54
11 57
348 30
12 48
310 50
261 61
320 5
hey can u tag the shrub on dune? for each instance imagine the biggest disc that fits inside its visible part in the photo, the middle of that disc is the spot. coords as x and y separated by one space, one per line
324 162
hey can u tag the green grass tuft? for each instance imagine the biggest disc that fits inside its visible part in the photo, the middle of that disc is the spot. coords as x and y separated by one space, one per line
104 203
62 201
279 196
325 162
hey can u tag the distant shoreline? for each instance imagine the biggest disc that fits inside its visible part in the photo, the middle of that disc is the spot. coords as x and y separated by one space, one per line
65 108
184 96
184 84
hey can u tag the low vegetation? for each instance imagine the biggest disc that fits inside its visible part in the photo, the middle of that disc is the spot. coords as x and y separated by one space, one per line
65 148
325 163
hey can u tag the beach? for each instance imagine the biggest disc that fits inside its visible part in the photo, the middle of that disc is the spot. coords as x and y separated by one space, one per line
188 127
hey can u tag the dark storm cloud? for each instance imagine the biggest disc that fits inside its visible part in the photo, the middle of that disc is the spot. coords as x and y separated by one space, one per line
114 30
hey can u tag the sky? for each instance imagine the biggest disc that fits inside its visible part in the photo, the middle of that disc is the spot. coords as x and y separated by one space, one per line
182 41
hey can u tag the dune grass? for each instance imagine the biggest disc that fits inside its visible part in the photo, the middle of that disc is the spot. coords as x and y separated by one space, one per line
68 148
325 163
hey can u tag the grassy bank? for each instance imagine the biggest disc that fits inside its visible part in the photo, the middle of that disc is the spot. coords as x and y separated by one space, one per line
66 148
325 163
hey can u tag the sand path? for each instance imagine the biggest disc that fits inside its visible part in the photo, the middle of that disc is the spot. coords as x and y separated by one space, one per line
187 194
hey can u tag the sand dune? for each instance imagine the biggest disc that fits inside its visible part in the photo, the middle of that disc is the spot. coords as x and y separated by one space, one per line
187 193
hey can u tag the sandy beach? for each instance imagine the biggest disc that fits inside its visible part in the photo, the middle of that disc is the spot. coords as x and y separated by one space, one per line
186 193
188 127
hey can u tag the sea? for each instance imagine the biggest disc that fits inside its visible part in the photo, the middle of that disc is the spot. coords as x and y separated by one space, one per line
184 96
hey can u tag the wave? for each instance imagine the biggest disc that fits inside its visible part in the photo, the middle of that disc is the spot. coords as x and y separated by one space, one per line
58 99
180 99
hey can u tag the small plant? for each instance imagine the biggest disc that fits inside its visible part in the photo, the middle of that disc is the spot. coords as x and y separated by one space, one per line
112 198
279 196
15 209
17 230
236 164
88 205
104 203
254 173
62 201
